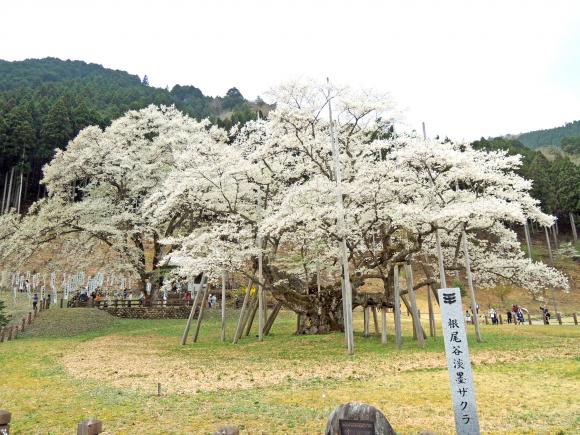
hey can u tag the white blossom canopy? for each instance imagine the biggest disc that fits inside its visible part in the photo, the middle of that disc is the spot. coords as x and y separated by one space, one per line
397 190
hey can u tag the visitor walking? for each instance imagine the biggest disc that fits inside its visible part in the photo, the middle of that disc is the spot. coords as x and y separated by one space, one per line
545 315
493 316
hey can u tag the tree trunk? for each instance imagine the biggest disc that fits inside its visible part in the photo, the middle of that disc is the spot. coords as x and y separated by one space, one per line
324 315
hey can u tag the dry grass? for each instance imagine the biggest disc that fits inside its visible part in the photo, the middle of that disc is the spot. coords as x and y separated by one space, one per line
526 379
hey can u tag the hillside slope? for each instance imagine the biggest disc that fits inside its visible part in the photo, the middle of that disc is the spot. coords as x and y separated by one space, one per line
45 102
551 137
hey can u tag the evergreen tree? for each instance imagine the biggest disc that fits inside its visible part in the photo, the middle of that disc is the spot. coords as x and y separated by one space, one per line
83 116
145 81
20 131
57 129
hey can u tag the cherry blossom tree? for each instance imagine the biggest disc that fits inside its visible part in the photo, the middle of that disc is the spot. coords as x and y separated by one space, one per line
397 189
218 201
98 185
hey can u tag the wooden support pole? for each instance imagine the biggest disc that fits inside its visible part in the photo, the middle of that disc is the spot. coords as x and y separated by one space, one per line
549 247
29 317
366 321
23 323
559 316
442 279
486 320
298 322
2 334
500 319
384 325
240 326
474 310
272 317
347 288
375 319
528 242
397 310
192 312
199 317
573 225
529 319
416 320
223 324
555 236
575 317
10 330
432 330
251 315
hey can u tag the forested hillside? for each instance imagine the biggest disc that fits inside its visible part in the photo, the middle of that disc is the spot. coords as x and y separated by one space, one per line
45 102
556 183
555 137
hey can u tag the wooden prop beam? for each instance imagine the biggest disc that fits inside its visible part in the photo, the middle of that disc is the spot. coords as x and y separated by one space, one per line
416 320
573 225
408 305
223 324
384 325
432 330
192 313
241 320
366 321
375 319
528 241
471 288
201 307
251 315
397 310
272 317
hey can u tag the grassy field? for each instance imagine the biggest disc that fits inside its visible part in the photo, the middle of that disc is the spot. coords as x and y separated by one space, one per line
76 363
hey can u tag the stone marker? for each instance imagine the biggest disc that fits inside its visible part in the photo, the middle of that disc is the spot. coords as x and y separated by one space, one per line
5 417
357 419
227 430
90 426
458 362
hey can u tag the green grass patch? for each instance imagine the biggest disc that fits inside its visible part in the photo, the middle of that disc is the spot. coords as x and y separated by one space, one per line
76 363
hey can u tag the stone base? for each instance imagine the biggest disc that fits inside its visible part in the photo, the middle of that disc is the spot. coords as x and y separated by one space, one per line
181 312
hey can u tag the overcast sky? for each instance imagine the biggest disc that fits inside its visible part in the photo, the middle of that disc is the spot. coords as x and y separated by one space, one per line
466 68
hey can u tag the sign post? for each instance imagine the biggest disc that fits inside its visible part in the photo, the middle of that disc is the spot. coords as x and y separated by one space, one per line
458 362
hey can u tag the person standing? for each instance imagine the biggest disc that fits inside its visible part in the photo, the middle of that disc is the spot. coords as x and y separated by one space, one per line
34 300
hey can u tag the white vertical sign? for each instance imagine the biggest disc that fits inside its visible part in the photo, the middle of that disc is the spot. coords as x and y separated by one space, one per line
458 362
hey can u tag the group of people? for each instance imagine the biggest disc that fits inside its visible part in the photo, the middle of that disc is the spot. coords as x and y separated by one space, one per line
45 297
211 299
515 315
98 296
